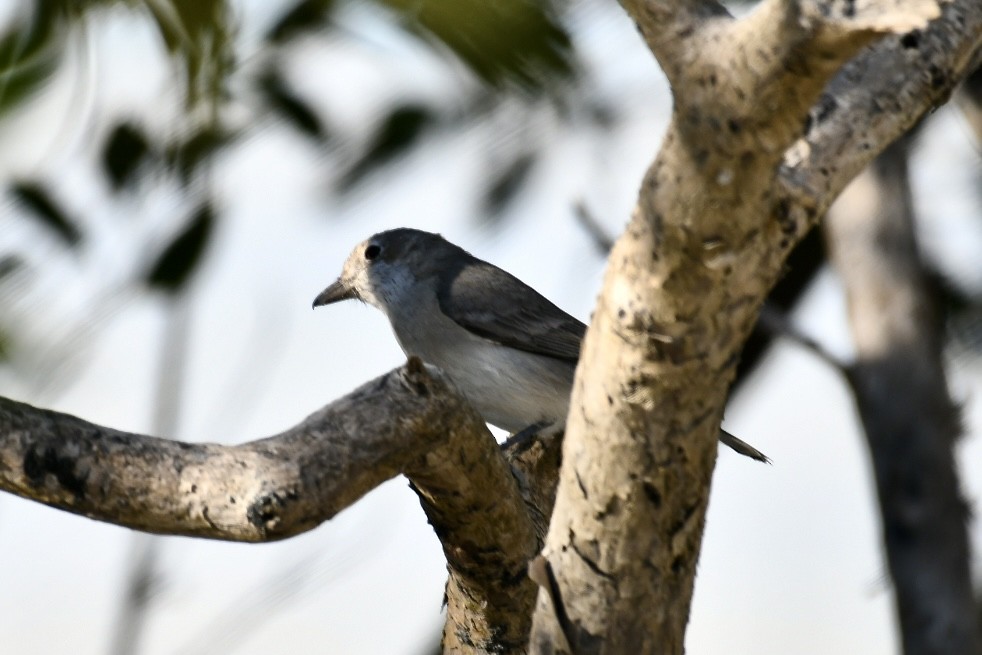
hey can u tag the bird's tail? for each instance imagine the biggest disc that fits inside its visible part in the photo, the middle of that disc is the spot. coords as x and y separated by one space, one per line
742 447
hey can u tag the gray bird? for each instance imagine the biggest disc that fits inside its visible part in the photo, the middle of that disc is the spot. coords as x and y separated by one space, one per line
511 352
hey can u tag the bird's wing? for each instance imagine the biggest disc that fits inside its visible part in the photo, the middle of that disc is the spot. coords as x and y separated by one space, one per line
480 297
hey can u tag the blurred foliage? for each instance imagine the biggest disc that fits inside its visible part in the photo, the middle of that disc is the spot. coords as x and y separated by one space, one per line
506 183
128 151
400 130
502 41
303 17
508 44
292 109
125 151
29 54
187 154
9 265
200 33
505 42
5 348
175 266
40 205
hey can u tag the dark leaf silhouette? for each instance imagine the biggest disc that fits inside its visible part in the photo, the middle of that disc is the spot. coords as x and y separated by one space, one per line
9 264
289 105
185 155
400 130
507 184
304 16
125 150
38 202
176 264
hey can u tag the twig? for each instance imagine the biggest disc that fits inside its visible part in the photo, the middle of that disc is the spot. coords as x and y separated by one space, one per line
778 325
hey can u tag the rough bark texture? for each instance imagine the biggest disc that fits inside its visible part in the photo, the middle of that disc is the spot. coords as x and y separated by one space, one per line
909 418
725 200
472 503
407 421
258 491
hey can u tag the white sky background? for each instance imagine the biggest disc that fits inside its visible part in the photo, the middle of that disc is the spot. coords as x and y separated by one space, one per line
791 560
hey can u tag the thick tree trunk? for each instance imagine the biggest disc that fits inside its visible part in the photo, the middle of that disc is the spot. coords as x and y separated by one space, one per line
725 200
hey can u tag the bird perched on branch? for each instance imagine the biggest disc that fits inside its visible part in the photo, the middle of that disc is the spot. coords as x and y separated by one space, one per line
511 352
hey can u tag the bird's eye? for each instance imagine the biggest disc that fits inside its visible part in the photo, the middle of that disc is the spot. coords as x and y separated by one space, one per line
372 251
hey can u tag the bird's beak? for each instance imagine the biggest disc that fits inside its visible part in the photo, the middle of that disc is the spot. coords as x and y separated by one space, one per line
335 293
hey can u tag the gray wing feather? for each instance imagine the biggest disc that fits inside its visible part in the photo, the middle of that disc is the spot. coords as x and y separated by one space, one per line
481 298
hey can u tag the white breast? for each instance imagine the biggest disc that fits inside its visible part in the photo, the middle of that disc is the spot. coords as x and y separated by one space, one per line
510 388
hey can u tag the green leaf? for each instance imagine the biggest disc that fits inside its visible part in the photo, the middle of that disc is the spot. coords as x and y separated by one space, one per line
199 33
500 40
39 203
178 262
30 50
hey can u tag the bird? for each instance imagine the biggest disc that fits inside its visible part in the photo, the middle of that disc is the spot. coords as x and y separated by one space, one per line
511 352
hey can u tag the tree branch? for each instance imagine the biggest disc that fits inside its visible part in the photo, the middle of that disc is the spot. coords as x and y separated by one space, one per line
258 491
477 511
407 421
909 418
743 87
872 101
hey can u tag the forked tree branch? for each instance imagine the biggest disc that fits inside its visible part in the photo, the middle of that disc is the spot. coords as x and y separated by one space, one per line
722 205
408 421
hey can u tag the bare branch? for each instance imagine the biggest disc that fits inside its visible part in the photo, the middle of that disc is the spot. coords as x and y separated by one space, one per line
476 509
775 322
408 421
602 241
258 491
743 87
871 102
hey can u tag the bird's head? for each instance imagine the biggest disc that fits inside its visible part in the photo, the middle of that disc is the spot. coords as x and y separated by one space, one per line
387 268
